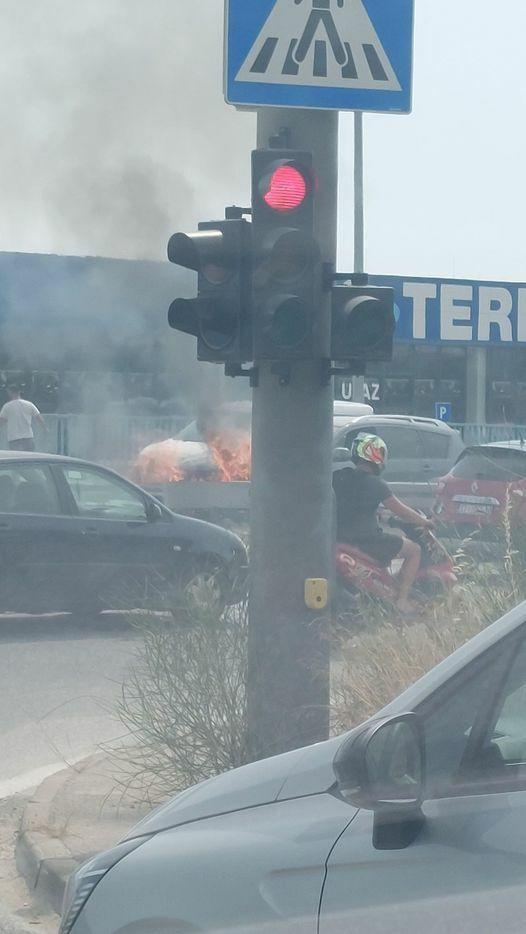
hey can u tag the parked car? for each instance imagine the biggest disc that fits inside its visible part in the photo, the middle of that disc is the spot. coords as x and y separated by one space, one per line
76 536
485 480
414 821
420 449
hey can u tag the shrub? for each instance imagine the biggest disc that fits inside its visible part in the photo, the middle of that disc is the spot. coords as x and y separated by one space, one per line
184 700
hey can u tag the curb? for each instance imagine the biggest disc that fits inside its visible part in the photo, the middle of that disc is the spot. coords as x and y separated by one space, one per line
10 924
44 860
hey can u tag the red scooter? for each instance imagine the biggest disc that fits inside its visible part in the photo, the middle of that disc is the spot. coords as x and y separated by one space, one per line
357 572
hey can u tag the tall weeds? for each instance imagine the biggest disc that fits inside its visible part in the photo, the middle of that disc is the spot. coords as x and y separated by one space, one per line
382 660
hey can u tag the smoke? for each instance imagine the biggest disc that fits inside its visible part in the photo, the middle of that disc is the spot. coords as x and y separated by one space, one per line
94 323
114 128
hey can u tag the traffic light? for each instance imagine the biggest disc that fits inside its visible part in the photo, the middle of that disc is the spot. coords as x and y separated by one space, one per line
220 314
363 324
287 269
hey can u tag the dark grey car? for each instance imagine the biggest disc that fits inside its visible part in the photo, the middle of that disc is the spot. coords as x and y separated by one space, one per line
420 449
76 536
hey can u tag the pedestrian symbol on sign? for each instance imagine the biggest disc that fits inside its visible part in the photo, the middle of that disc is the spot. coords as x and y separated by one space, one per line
321 14
329 43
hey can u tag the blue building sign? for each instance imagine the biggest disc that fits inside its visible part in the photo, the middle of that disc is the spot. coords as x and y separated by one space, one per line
458 312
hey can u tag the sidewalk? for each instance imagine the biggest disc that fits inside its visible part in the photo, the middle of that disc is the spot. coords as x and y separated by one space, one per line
72 815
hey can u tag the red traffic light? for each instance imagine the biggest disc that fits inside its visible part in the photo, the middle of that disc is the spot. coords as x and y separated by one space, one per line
284 189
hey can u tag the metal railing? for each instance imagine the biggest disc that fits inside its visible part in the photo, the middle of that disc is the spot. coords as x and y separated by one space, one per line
117 440
484 434
106 439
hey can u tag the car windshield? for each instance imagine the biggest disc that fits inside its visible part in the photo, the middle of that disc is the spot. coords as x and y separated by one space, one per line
491 464
191 433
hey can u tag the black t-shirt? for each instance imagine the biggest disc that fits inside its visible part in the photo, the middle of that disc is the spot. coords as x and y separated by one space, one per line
358 495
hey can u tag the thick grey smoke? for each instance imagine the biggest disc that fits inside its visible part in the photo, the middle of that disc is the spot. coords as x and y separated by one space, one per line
114 129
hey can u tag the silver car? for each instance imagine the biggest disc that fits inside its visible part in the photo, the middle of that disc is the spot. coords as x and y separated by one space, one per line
420 449
413 822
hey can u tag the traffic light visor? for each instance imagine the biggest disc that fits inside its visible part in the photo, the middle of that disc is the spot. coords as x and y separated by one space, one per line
284 187
203 251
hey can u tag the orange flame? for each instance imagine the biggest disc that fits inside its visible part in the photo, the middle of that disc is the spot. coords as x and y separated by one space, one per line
171 462
231 457
157 464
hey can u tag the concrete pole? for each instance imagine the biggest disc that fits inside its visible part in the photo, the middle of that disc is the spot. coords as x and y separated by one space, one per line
358 388
291 501
476 385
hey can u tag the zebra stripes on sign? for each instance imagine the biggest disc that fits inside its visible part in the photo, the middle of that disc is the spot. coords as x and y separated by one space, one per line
319 43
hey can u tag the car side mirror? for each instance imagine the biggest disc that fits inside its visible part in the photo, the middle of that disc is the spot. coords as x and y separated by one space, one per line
341 454
382 769
155 512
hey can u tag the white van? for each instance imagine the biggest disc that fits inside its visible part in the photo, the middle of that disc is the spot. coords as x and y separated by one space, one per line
344 412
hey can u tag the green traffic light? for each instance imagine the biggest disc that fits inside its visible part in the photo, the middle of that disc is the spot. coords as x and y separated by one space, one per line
290 323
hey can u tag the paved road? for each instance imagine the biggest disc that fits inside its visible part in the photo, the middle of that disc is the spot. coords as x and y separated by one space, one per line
58 679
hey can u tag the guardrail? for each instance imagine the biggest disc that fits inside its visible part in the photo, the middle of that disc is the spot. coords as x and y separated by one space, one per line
204 496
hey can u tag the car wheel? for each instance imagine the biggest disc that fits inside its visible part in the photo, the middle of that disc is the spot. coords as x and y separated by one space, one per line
204 587
201 589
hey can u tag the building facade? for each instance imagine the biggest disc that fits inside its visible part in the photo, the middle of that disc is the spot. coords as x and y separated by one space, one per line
458 343
81 334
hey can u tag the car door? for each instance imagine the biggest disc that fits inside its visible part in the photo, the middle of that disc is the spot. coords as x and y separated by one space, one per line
119 549
466 871
33 546
437 459
404 445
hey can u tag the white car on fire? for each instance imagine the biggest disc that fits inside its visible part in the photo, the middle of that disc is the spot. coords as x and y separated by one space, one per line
216 446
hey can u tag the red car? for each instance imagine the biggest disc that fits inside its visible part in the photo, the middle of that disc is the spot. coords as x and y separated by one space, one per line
484 481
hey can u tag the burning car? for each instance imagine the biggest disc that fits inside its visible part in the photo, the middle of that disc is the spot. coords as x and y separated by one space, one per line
215 446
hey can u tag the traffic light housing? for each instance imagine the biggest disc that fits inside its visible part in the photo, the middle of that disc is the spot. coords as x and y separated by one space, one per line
287 269
362 325
220 314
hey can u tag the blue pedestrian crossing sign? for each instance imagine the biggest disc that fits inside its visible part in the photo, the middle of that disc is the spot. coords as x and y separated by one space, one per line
327 54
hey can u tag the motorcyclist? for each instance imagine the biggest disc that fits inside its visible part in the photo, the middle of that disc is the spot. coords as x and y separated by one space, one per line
359 492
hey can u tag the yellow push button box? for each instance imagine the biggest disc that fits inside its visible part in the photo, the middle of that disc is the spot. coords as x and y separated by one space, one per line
316 593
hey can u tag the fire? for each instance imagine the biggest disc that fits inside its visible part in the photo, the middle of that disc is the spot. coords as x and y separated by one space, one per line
225 457
158 463
232 457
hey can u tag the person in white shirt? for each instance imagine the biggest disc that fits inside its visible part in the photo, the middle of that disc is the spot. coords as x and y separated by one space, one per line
18 413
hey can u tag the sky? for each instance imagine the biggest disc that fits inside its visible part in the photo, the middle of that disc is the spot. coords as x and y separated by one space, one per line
115 134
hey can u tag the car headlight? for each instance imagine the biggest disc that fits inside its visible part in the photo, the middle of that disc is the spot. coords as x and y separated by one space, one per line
82 882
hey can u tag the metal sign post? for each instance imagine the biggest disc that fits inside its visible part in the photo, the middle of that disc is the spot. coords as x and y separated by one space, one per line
358 382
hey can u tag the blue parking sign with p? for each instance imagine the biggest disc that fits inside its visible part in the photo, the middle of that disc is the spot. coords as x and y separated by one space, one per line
328 54
443 411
